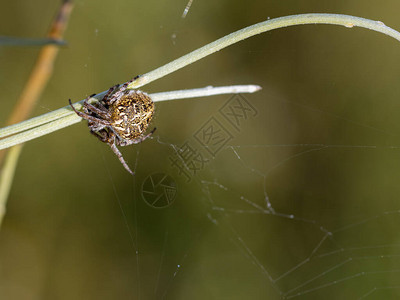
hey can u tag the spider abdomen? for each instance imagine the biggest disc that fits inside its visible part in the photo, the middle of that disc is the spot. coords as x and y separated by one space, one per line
131 114
120 118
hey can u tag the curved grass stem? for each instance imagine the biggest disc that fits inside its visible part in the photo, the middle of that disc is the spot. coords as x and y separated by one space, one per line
64 117
242 34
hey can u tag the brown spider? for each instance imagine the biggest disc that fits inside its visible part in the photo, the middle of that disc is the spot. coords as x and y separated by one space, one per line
120 118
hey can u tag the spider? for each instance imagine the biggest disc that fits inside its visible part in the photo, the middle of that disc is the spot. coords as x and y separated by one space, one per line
120 118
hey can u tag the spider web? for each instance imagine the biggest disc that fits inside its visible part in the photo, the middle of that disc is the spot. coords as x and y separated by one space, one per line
266 236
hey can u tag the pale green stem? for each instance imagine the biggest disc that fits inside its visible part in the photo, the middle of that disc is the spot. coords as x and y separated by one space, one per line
42 119
333 19
205 92
7 175
63 117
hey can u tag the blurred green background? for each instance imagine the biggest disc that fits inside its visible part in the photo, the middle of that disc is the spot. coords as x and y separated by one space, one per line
323 150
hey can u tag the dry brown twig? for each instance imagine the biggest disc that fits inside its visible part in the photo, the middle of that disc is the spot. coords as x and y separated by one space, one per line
40 75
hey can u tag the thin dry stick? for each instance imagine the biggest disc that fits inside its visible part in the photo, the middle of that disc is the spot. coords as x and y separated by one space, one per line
43 68
37 81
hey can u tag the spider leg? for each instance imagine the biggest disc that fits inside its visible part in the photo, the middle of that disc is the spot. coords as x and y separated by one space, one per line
88 117
109 138
102 111
101 106
95 126
87 99
109 92
102 135
120 157
120 91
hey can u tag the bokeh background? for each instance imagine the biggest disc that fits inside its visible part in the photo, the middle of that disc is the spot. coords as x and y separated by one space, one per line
323 151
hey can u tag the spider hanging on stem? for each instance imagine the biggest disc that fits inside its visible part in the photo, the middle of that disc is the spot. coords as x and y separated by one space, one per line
120 118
